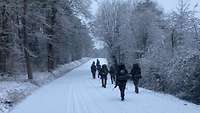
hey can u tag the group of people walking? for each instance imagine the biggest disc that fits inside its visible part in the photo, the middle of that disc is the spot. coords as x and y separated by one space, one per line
102 72
118 74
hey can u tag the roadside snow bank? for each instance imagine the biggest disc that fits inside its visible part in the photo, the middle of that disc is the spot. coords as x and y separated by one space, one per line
41 78
13 91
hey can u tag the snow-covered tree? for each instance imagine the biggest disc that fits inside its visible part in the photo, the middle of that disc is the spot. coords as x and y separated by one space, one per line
42 34
165 45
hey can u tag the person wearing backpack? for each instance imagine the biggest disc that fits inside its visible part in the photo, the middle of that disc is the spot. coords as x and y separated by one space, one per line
103 73
121 80
98 67
136 76
112 74
93 70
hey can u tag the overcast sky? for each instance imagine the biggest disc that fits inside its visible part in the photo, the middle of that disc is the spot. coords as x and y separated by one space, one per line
167 5
170 5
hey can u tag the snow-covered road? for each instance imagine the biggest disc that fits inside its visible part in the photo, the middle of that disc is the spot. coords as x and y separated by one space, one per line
77 92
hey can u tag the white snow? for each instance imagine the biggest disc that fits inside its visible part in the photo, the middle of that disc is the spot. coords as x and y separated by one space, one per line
42 78
77 92
13 90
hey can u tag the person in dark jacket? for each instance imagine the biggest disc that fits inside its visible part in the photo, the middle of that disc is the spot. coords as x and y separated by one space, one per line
98 66
103 73
93 70
112 72
136 76
98 62
121 80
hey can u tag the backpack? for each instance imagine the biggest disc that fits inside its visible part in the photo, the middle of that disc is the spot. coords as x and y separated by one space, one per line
103 72
123 75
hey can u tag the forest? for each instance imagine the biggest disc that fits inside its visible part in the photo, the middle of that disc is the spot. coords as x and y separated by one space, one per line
39 35
166 45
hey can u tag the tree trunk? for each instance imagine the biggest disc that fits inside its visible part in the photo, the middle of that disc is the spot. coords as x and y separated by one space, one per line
51 20
173 41
50 57
25 41
4 40
3 61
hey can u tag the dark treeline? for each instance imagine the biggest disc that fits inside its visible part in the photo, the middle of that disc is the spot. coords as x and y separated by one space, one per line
165 45
38 35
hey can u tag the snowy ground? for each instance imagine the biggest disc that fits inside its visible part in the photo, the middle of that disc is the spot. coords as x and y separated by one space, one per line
12 91
77 92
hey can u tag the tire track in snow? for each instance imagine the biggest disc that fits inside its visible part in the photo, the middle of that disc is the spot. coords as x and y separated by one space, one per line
70 101
82 102
85 97
78 93
109 92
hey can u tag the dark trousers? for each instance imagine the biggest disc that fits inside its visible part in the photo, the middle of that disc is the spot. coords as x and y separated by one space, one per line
136 84
104 82
112 77
98 74
94 74
122 87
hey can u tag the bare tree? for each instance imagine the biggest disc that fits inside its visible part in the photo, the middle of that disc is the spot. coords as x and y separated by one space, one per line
25 41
